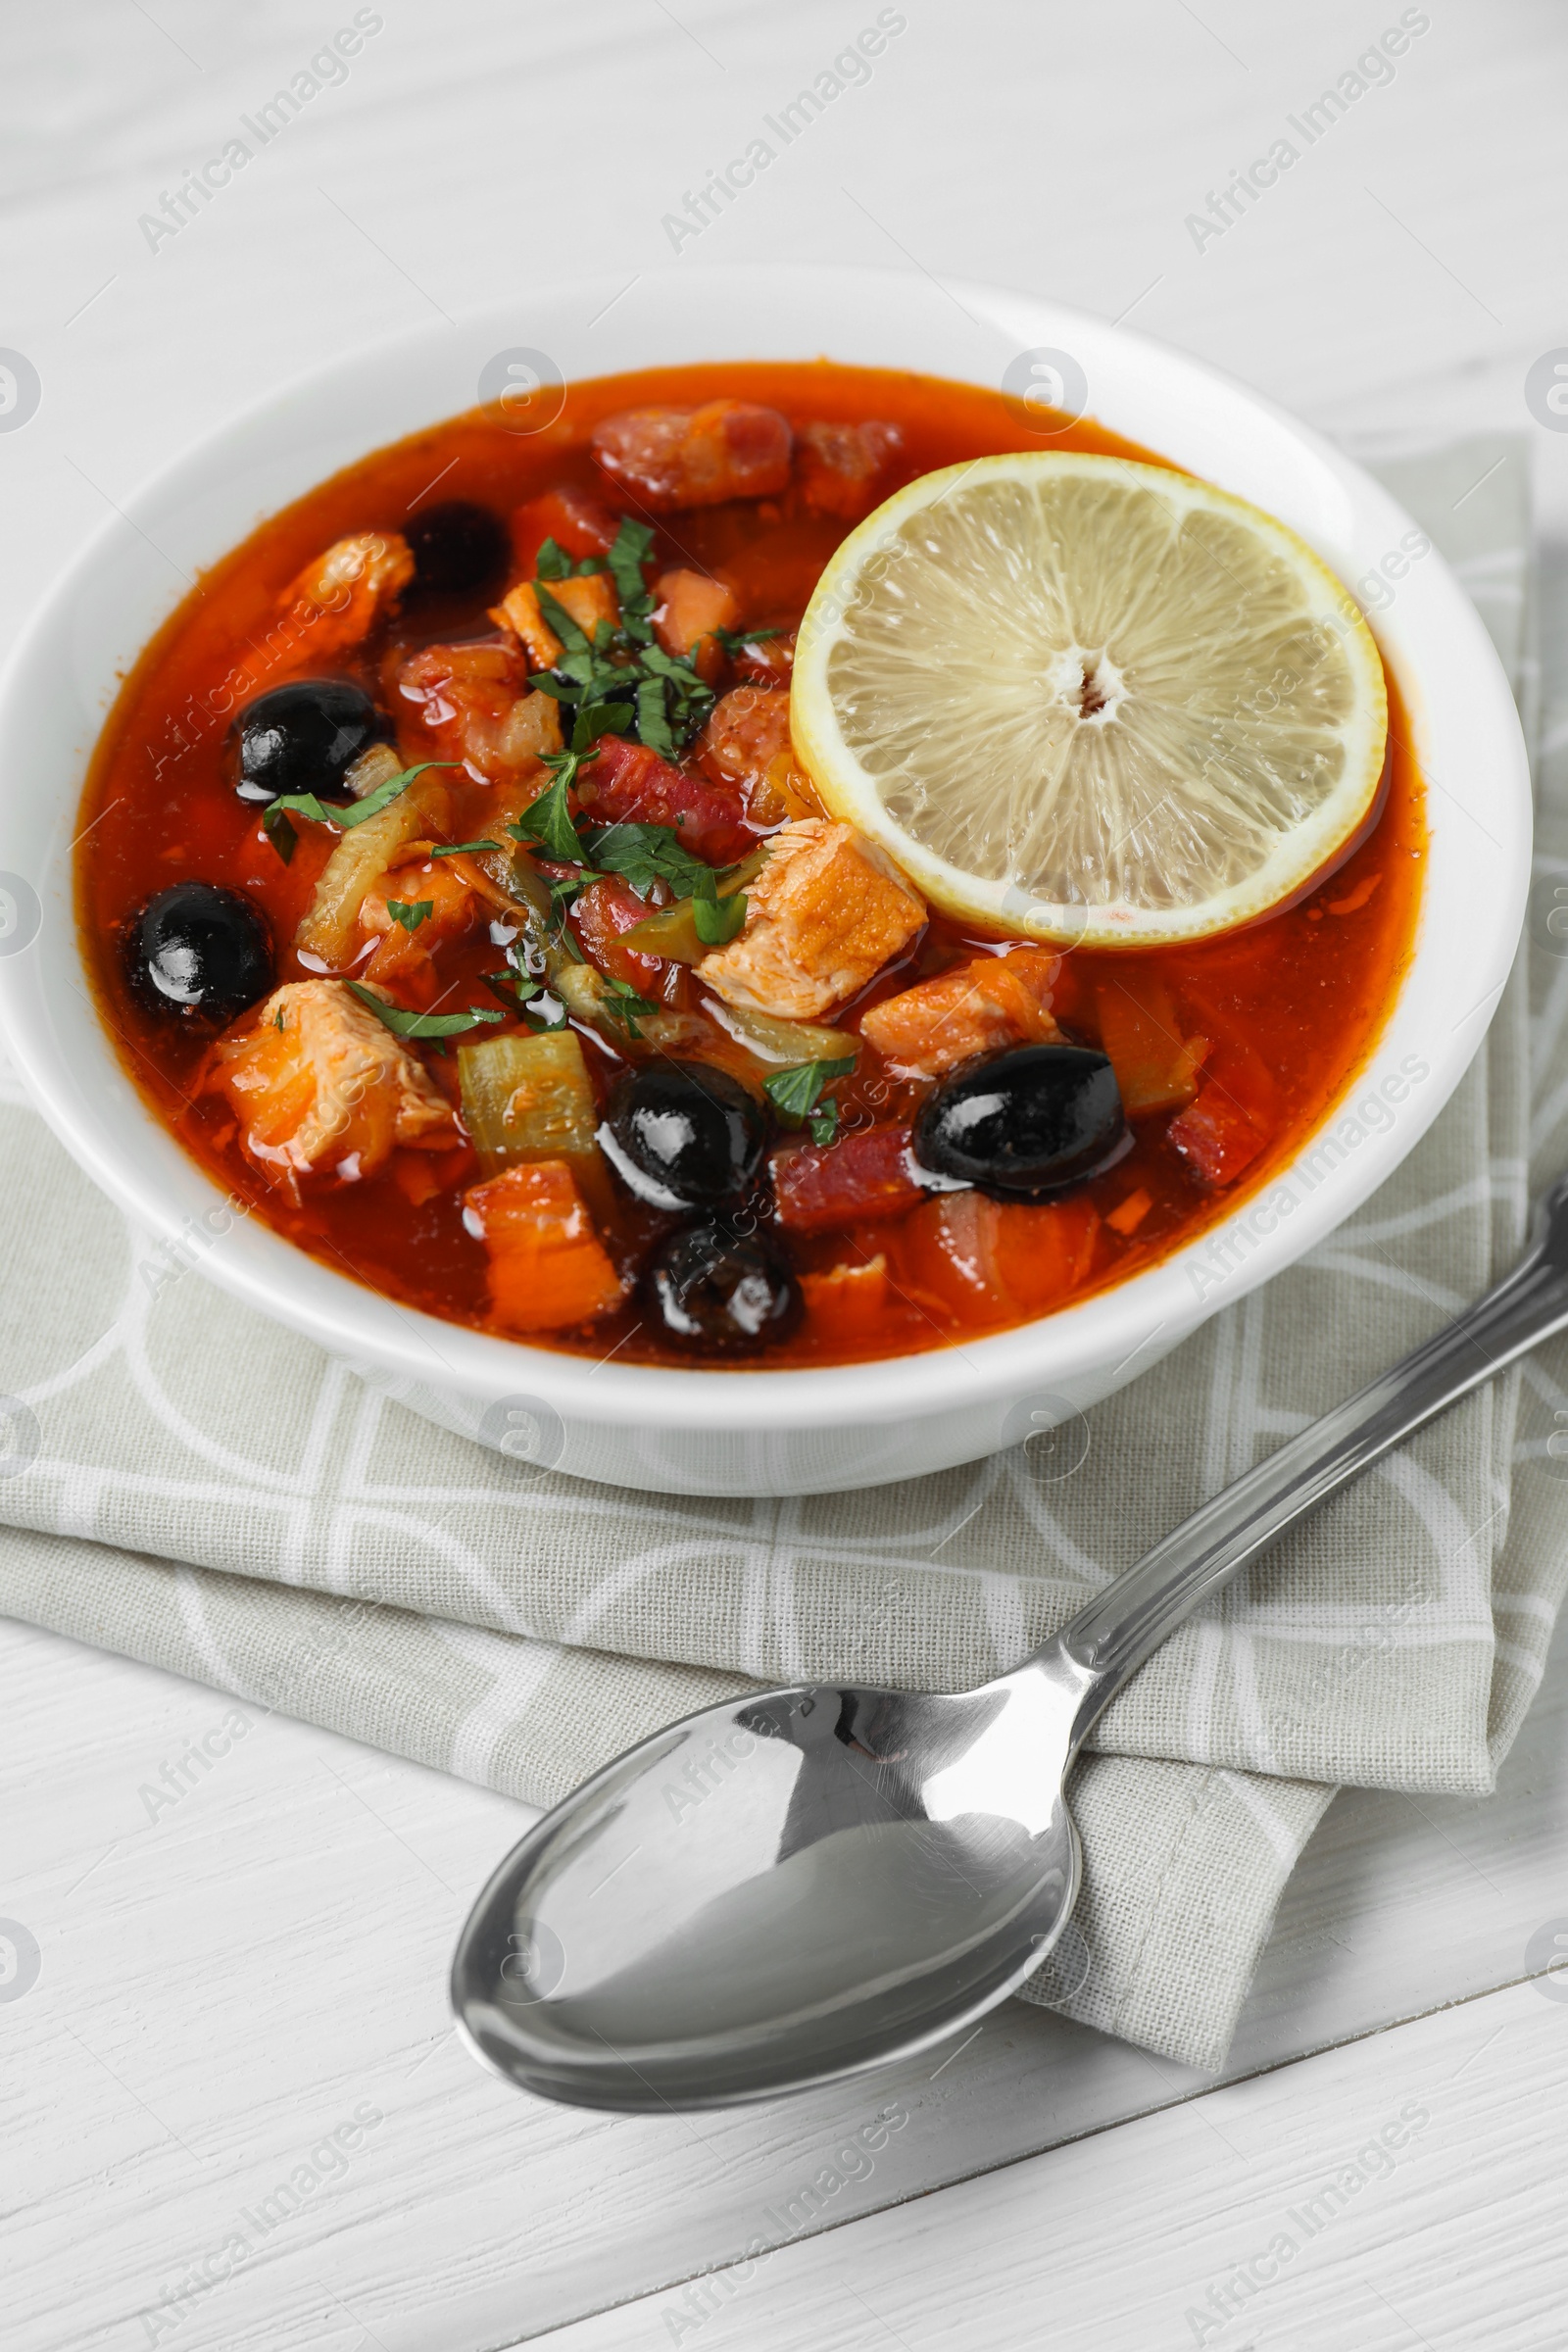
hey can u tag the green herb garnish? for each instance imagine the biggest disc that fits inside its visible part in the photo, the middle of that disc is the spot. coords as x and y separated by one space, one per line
735 641
796 1091
519 994
461 849
622 1005
633 545
551 562
715 919
423 1024
410 912
282 835
647 853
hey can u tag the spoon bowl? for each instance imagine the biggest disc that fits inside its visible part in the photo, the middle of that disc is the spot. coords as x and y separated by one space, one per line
778 1891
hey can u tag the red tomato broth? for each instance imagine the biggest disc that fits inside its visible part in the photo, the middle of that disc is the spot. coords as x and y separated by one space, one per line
1290 1007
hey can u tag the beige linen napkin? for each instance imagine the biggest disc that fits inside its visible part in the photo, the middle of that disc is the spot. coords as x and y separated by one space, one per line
192 1486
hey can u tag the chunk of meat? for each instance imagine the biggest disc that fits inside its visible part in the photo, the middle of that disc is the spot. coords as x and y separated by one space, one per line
747 742
966 1258
549 1270
599 917
865 1174
454 909
690 608
746 731
840 469
670 458
626 783
320 1086
579 523
977 1008
823 916
1216 1137
472 704
330 605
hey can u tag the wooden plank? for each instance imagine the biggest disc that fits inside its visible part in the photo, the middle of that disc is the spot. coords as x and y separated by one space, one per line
1402 2192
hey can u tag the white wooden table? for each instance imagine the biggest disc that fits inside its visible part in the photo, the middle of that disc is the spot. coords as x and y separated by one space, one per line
235 2115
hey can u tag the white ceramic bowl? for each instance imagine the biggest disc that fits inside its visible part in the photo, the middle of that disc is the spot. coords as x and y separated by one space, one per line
728 1432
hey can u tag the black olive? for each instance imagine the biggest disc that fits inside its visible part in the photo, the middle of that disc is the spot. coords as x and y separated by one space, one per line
1025 1123
305 737
721 1293
459 549
682 1135
200 953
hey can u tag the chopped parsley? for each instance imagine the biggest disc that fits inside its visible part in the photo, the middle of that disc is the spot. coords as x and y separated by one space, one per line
410 912
527 999
423 1024
622 1005
796 1093
647 853
282 835
665 698
735 641
716 920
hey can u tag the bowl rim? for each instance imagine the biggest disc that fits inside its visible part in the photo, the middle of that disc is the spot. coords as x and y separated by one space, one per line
1451 674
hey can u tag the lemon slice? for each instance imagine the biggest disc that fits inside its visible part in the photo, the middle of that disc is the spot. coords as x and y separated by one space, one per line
1081 698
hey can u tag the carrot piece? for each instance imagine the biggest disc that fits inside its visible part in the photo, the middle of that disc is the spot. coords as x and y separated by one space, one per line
547 1267
589 601
1126 1217
818 1186
1354 900
518 610
847 1302
691 606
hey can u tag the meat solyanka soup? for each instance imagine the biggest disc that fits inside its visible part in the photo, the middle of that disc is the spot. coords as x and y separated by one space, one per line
459 899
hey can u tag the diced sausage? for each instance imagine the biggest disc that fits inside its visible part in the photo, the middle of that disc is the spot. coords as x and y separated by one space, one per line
1215 1137
320 1086
823 916
840 469
670 458
626 783
977 1008
863 1175
599 917
747 742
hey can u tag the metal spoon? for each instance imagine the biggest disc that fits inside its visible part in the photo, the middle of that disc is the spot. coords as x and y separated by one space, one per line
794 1887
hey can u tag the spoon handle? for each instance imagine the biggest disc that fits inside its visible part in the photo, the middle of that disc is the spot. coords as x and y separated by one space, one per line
1109 1639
